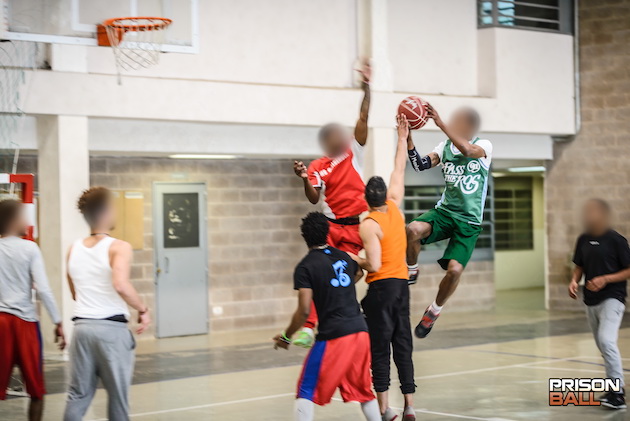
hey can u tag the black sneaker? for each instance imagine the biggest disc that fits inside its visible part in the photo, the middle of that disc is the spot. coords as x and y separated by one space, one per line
426 324
603 397
615 401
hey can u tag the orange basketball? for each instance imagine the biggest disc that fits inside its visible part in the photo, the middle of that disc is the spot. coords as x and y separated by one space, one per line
413 108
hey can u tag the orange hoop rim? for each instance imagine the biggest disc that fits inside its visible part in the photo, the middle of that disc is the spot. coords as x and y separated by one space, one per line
160 24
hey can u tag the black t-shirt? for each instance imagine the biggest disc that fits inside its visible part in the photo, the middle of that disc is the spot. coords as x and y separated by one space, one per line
599 256
330 274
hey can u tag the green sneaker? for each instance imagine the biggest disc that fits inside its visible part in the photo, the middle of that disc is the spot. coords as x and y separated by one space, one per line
305 338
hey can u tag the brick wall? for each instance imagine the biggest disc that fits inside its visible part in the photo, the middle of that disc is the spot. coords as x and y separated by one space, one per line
254 211
475 291
595 164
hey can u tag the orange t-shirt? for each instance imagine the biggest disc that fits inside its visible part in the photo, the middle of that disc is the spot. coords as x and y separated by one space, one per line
393 244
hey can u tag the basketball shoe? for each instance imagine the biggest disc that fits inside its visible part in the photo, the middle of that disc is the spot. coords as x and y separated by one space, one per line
409 414
615 401
426 324
389 415
413 273
305 338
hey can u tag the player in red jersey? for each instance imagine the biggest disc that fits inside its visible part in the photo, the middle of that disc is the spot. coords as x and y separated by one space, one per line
337 178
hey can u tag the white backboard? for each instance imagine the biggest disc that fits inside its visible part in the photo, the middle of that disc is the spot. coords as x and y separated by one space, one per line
74 21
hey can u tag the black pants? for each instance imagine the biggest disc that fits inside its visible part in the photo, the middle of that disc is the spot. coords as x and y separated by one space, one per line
386 307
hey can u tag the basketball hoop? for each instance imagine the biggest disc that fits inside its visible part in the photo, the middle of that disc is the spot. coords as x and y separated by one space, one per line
136 41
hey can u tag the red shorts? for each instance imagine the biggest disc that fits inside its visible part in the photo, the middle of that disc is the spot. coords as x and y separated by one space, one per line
345 237
342 363
21 345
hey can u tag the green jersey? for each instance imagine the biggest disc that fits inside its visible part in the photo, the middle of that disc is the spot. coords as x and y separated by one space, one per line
466 179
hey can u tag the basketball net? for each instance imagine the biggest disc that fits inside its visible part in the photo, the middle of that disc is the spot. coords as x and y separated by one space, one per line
15 58
137 41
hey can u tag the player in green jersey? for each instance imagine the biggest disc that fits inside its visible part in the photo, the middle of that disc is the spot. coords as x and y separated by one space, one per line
457 216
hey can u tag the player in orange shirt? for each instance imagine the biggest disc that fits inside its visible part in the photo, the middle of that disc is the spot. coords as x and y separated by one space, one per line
386 305
337 178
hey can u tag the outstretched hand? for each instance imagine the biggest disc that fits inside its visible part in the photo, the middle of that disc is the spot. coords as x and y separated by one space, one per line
300 169
365 71
403 126
434 115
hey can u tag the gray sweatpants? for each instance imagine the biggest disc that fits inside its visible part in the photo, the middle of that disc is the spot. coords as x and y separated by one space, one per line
605 320
100 349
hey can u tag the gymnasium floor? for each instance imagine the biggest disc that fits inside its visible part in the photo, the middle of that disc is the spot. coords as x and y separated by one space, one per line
474 366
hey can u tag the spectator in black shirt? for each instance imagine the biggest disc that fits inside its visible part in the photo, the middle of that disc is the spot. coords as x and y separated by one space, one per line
602 256
340 358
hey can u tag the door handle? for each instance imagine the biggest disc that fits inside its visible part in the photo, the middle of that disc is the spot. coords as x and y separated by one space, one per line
167 265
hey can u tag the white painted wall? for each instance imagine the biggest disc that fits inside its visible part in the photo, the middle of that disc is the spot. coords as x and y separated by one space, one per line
433 46
289 63
286 42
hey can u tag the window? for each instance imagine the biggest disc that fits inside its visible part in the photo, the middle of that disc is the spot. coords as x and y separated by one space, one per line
545 15
420 199
513 213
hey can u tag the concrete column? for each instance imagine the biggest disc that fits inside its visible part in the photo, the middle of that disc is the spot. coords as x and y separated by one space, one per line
373 42
379 157
62 175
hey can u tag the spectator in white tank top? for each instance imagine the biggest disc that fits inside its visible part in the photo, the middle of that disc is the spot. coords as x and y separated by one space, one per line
99 268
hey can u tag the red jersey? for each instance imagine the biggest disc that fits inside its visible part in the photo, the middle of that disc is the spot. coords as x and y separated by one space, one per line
341 182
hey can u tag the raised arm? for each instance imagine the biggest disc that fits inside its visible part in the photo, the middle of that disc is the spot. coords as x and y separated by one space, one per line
361 129
420 163
463 145
396 189
120 255
371 234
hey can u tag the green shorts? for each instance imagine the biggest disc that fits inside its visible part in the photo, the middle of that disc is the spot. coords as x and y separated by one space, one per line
463 236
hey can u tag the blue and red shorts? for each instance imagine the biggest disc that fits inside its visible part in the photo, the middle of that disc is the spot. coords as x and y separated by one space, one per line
342 363
21 345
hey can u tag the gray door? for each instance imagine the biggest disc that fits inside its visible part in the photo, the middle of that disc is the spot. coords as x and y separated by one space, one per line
181 259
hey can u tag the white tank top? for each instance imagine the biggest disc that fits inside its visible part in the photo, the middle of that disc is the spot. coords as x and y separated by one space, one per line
91 274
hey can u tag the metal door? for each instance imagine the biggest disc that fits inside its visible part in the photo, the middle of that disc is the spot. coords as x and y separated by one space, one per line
181 259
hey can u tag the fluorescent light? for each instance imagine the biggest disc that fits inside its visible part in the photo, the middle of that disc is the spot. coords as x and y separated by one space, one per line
202 156
527 169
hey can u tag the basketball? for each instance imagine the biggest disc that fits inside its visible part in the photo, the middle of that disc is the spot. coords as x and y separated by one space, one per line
413 108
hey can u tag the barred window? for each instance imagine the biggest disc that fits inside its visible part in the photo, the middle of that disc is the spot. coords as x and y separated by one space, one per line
514 214
545 15
420 199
